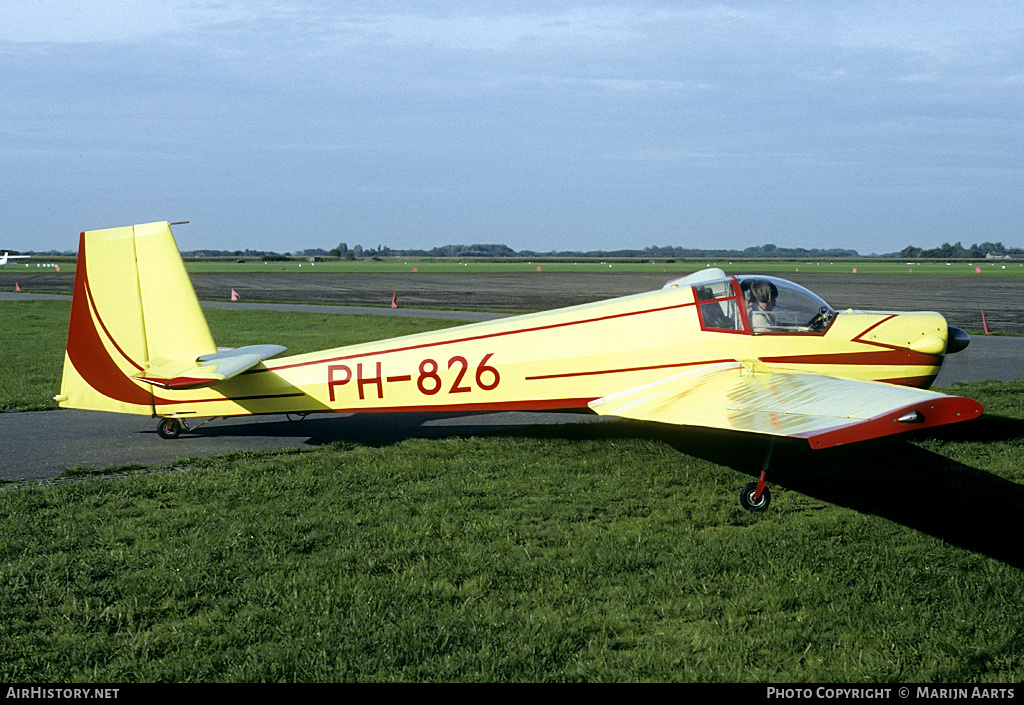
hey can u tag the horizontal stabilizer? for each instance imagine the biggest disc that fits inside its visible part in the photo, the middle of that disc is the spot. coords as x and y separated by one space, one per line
824 410
207 369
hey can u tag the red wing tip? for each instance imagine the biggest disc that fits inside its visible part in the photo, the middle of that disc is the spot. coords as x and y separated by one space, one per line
927 414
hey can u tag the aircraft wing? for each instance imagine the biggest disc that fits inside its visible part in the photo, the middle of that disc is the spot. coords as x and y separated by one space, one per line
825 410
206 369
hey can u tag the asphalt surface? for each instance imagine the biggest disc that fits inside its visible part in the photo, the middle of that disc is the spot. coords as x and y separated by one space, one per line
40 445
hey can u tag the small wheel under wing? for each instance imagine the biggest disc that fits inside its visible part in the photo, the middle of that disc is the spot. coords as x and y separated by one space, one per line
169 428
750 501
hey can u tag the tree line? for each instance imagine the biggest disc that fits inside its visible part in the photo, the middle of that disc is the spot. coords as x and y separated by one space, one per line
766 251
958 251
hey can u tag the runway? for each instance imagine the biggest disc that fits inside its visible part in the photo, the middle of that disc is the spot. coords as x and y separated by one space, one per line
41 445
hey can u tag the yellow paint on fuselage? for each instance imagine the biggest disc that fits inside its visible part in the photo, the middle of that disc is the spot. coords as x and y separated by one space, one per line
134 308
558 359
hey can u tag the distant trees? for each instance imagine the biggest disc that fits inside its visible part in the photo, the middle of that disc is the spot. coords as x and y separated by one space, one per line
465 251
668 252
958 251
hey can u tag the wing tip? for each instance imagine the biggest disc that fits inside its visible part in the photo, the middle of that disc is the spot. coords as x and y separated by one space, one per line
930 413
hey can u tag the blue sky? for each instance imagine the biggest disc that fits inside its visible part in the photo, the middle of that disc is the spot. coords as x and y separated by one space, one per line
541 125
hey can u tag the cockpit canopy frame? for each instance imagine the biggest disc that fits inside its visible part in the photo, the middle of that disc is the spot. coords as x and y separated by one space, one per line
757 305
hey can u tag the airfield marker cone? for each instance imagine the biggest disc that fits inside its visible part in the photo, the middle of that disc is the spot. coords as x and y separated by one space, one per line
984 324
235 296
394 299
16 287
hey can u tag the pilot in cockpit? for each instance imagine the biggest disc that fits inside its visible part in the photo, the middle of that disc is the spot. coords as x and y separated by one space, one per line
761 296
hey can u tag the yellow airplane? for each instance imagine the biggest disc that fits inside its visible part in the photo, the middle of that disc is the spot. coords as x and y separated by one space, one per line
753 354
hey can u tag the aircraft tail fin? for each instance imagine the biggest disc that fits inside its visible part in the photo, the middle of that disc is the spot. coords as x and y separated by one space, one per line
133 302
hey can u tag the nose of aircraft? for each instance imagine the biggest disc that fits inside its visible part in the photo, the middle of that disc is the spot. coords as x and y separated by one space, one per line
956 340
923 332
934 343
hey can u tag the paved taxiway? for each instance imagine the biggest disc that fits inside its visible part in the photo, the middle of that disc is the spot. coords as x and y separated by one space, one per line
42 444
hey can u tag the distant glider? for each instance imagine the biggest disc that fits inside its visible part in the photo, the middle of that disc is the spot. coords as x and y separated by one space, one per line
744 353
7 257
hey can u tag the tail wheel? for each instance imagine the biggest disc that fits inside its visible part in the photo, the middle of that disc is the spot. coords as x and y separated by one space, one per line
755 504
169 428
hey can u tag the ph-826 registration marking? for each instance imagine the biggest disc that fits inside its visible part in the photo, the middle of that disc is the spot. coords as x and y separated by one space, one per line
428 379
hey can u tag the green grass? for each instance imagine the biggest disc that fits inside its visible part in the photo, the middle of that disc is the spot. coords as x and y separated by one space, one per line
592 552
32 353
598 552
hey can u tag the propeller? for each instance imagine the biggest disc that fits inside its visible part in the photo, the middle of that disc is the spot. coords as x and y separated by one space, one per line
956 340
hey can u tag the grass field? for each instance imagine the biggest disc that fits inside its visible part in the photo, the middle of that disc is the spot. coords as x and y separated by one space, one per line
595 552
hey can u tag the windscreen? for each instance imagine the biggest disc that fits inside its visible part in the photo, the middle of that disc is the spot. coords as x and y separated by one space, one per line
779 306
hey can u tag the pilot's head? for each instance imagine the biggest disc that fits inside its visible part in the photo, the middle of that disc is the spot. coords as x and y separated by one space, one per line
763 294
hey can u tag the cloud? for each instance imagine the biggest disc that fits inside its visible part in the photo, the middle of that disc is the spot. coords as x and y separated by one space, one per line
564 117
77 21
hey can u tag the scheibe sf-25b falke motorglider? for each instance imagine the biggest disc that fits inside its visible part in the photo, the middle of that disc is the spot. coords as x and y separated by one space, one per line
751 354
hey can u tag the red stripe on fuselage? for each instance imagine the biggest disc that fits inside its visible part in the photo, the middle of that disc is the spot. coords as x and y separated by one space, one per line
500 334
589 373
888 355
897 356
528 405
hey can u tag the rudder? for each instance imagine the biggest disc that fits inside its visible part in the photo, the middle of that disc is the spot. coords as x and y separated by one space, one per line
133 302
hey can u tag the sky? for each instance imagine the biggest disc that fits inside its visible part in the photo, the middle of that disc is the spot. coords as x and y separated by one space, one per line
542 125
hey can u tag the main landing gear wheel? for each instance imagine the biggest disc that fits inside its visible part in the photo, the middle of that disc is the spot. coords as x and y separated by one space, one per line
169 428
748 500
748 496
